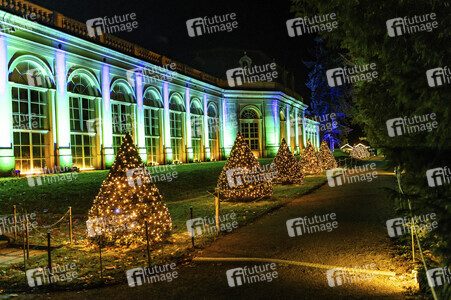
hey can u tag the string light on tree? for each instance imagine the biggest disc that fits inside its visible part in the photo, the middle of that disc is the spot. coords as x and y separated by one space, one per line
127 198
360 152
309 161
326 158
242 178
286 166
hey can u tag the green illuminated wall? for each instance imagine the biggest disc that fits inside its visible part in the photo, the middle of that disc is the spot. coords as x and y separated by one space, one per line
60 54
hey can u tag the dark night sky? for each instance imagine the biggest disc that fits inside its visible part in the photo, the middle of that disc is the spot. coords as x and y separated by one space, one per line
162 29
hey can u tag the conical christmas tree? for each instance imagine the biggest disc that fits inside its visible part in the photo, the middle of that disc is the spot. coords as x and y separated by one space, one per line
326 158
242 178
309 161
287 168
360 152
127 198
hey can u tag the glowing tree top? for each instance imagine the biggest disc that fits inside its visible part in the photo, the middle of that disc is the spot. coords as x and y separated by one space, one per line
325 157
127 198
309 161
286 166
360 152
242 178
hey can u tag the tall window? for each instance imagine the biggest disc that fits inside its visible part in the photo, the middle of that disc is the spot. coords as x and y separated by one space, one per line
213 131
84 123
30 116
196 129
152 126
250 128
175 118
283 125
122 113
301 143
293 133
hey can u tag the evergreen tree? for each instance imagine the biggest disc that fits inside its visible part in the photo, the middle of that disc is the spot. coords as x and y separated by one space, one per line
326 158
287 168
328 105
242 178
309 161
127 198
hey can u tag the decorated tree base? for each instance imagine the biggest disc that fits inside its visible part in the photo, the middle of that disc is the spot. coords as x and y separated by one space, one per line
126 200
286 167
309 161
242 178
326 158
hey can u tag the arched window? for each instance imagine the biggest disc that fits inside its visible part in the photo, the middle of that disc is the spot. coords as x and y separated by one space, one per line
176 109
121 97
30 114
250 128
213 131
152 107
84 122
196 115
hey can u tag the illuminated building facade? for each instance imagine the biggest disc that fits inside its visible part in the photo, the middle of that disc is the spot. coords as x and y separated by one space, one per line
67 99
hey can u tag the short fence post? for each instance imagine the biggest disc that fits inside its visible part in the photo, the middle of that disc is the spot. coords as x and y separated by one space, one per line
15 223
70 225
49 252
192 227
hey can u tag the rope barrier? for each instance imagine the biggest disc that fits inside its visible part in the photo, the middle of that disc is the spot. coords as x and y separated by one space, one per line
49 226
398 178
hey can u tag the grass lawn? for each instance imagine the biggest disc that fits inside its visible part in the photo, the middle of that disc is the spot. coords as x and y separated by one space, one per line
51 201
